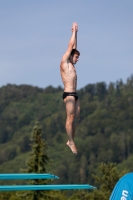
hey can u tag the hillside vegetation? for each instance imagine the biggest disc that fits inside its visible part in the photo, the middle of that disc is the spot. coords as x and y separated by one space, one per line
105 133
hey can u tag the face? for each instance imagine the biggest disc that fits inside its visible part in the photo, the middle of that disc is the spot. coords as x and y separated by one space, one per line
74 58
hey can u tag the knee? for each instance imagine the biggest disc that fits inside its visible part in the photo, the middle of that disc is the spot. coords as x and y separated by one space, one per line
70 119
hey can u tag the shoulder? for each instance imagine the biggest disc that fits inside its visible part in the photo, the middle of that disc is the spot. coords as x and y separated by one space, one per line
64 64
67 54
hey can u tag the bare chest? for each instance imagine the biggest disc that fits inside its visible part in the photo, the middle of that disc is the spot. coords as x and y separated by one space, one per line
71 71
68 72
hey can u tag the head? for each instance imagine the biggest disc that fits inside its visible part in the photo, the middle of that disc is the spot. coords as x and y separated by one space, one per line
74 56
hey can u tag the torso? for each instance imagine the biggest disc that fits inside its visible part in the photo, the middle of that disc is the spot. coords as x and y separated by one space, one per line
69 76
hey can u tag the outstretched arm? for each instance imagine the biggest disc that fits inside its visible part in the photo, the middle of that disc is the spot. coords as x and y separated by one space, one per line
72 43
75 42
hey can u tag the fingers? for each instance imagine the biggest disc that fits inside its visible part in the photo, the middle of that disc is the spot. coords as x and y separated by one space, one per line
74 27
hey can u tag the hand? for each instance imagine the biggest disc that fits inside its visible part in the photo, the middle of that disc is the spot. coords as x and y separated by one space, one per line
74 27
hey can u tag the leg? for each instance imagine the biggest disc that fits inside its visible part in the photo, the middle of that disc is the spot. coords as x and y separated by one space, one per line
70 111
77 116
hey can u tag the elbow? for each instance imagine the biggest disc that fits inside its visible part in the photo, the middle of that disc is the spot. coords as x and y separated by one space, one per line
71 44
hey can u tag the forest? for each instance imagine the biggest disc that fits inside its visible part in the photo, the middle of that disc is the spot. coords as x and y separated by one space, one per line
104 134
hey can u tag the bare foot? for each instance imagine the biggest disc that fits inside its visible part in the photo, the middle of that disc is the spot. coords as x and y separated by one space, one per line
72 147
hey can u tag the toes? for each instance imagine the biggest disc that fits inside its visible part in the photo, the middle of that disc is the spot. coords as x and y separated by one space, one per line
72 147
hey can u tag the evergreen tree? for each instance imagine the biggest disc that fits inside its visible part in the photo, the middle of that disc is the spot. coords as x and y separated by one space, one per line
36 163
106 180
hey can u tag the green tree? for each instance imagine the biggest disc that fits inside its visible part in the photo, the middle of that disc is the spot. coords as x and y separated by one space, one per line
101 90
106 179
37 163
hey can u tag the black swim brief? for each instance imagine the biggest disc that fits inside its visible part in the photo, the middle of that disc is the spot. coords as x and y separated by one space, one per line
74 94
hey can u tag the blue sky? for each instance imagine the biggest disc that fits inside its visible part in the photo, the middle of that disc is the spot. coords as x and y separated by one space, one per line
35 34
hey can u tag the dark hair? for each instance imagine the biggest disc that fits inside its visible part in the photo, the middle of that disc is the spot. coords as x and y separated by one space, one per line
75 51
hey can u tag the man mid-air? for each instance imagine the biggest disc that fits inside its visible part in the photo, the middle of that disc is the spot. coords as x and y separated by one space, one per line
69 78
